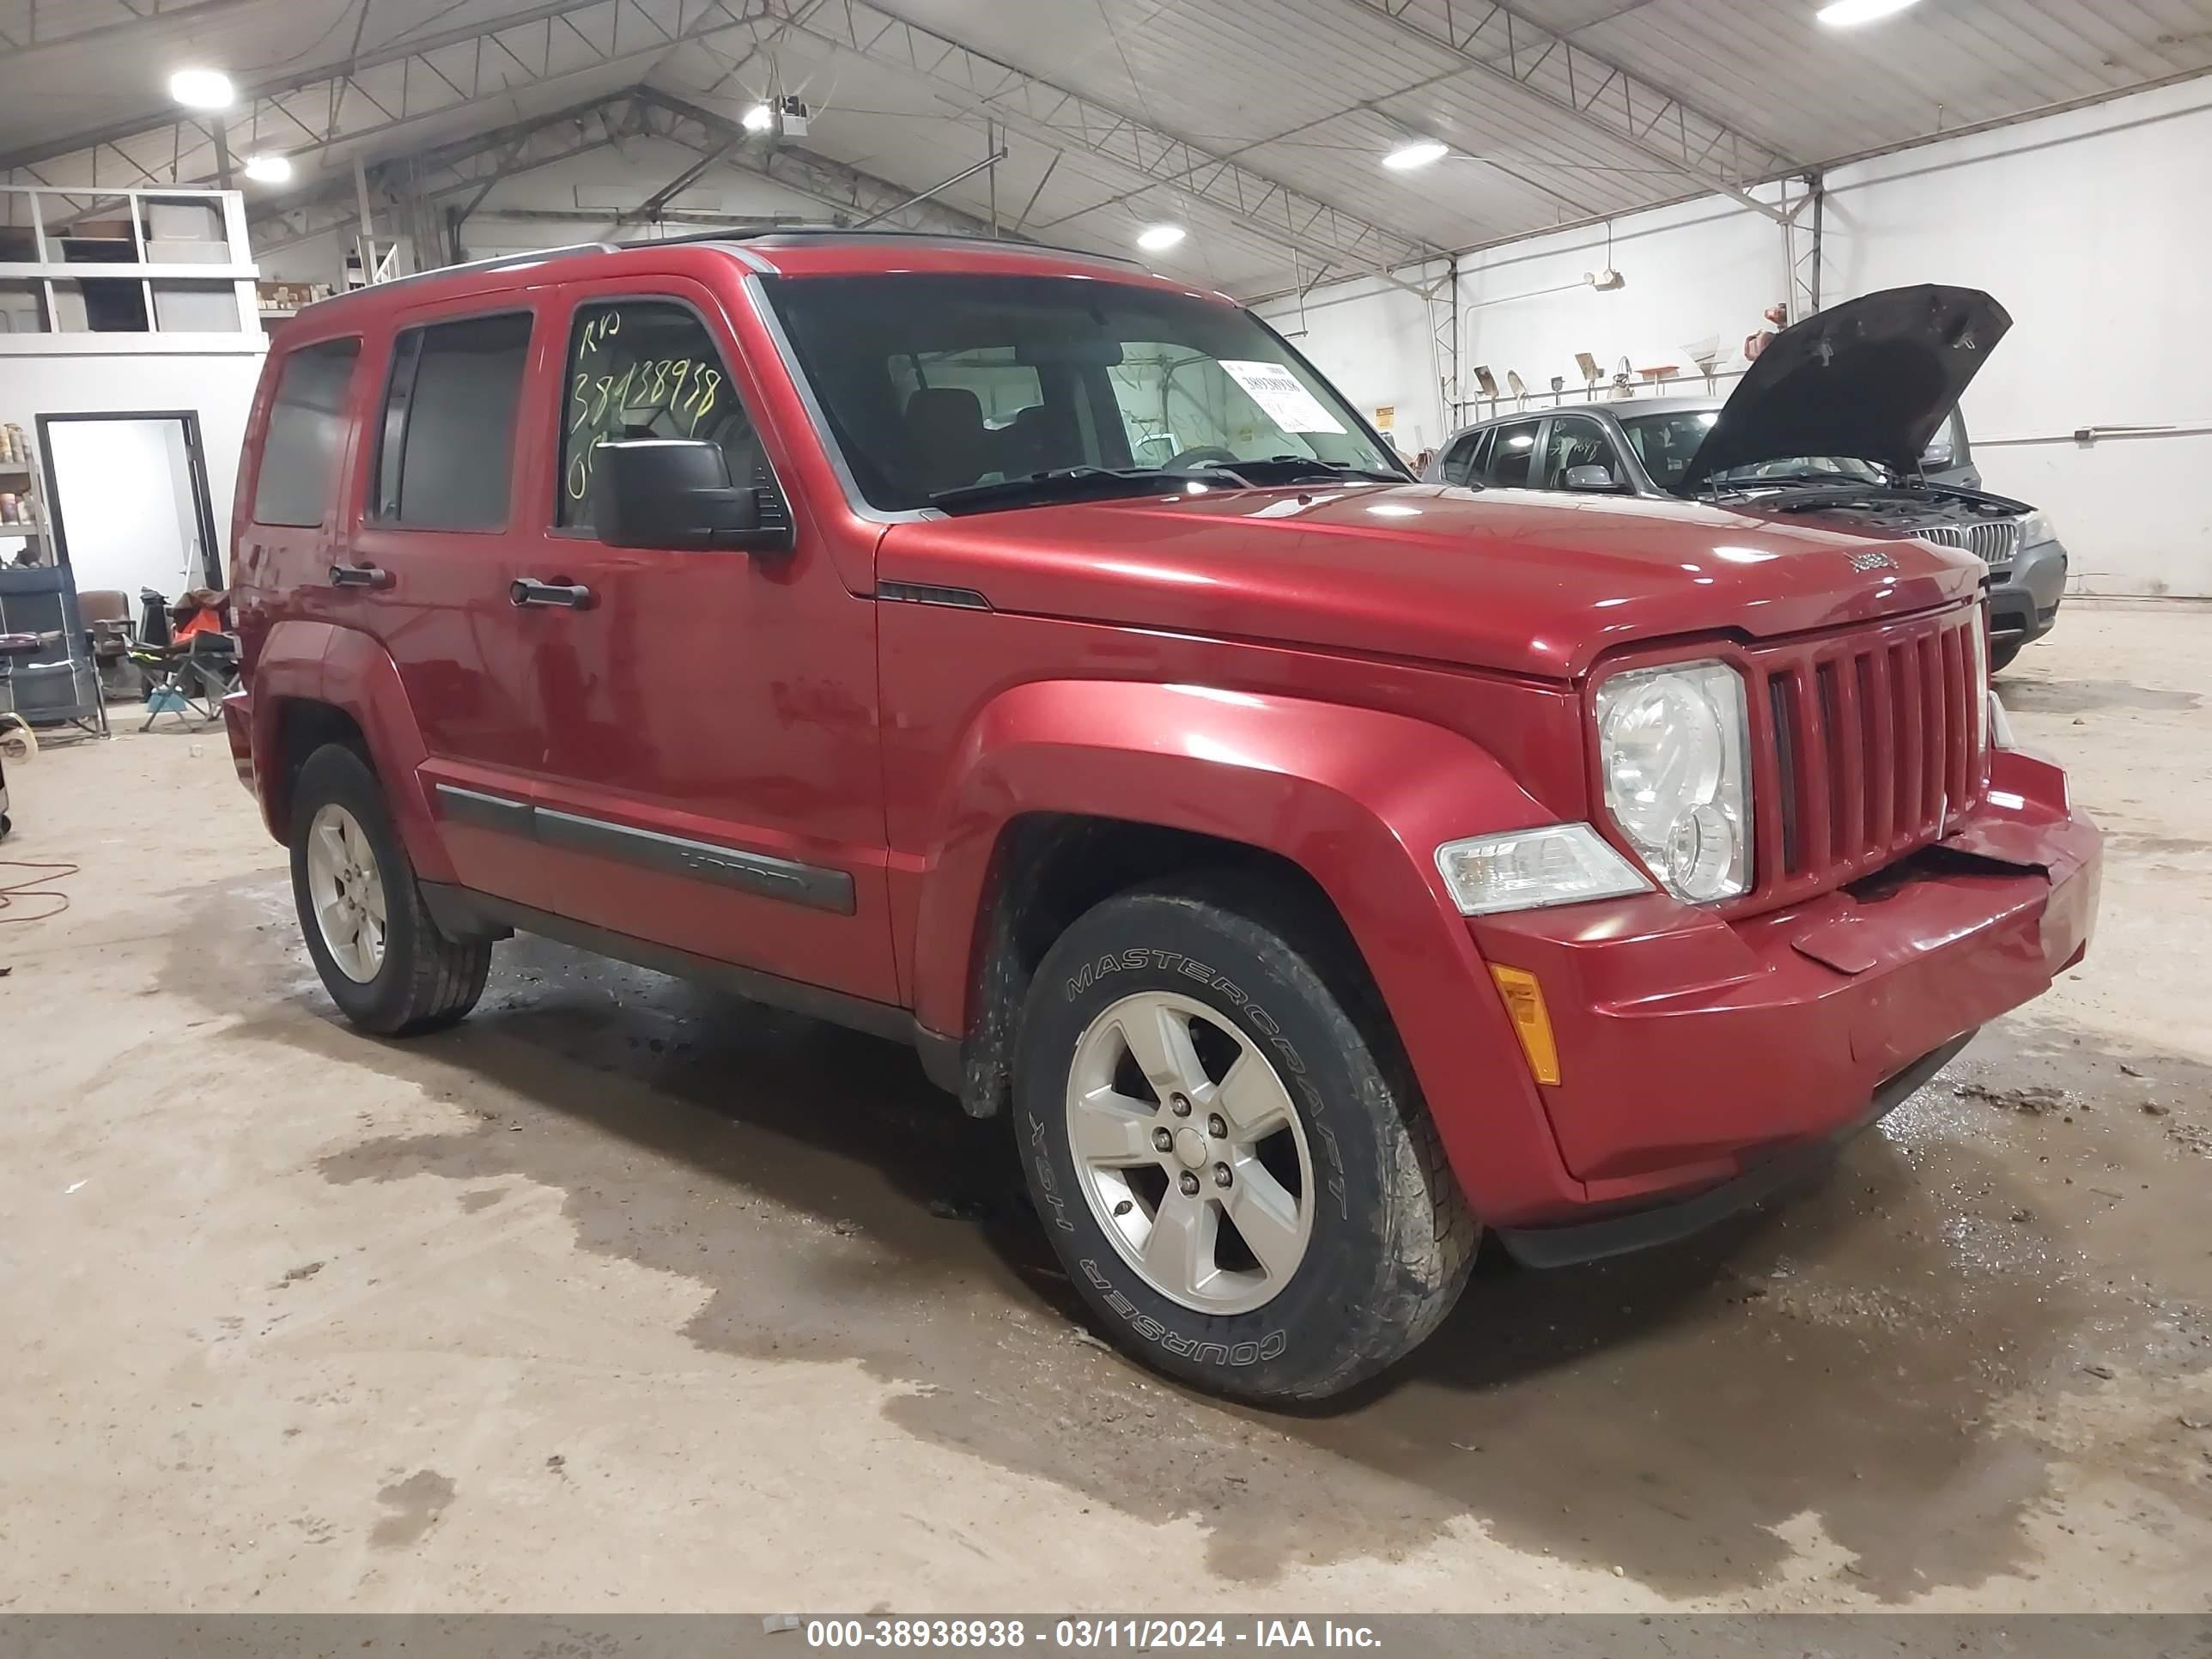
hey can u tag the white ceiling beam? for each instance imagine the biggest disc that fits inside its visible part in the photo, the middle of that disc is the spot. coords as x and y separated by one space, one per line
377 95
1062 120
1498 41
850 192
469 167
73 21
470 164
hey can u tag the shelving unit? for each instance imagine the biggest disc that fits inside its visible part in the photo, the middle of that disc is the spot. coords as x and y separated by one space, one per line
22 479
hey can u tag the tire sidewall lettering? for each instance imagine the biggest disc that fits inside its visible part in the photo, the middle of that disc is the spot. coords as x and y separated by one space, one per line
1195 1339
1198 1350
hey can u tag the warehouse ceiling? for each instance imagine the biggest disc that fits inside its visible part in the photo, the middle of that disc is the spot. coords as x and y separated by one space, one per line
1259 126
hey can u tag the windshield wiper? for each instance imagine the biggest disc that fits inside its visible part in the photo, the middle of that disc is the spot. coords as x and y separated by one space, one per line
1078 484
1289 469
1807 476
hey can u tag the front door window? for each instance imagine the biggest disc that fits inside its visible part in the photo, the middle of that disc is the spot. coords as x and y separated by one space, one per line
646 368
1577 440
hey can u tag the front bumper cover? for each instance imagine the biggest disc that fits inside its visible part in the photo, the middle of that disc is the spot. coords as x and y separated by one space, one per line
2024 597
1695 1049
1642 1227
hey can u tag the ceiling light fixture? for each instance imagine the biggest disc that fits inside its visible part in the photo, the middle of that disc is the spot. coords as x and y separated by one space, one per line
269 169
1156 239
1845 14
202 88
759 118
1421 153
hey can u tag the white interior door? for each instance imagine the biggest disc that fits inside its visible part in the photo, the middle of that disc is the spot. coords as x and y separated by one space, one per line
125 493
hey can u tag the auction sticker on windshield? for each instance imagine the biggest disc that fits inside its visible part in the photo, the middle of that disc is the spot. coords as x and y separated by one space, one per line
1277 391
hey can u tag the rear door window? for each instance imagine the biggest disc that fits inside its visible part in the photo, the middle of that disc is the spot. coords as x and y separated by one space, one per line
446 453
305 435
1512 448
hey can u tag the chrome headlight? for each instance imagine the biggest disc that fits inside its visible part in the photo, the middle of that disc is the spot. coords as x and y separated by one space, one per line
2034 528
1672 747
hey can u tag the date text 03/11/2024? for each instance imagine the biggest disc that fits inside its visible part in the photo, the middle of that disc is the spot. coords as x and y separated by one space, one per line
1134 1634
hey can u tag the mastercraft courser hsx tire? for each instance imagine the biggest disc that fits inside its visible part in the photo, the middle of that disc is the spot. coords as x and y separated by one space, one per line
406 978
1226 1147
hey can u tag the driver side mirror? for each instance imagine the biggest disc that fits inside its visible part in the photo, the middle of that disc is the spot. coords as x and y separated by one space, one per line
677 493
1590 478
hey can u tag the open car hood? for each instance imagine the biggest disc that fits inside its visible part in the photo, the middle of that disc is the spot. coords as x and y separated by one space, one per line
1871 379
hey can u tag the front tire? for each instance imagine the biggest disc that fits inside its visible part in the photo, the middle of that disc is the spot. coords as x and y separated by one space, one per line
381 956
1226 1149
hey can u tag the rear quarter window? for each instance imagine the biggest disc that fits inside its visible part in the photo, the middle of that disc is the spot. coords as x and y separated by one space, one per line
304 437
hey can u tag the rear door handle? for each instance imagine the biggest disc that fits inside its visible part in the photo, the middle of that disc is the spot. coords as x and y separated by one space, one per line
574 595
359 575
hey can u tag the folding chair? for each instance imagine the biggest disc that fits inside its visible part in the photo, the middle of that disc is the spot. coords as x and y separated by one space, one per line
107 614
51 677
187 680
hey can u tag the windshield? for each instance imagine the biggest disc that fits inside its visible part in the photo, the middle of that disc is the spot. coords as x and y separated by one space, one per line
939 383
1665 443
1942 451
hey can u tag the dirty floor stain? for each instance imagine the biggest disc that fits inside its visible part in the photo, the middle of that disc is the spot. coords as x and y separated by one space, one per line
1857 1355
412 1507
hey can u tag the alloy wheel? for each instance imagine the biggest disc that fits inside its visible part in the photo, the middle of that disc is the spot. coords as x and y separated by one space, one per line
1191 1152
347 890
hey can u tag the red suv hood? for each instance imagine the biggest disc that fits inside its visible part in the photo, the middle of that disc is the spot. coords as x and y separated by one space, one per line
1518 582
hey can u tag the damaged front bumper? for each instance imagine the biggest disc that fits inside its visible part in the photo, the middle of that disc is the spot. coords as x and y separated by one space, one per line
1703 1059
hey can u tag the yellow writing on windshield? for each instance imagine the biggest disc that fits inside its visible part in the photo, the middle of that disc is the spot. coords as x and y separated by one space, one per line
612 394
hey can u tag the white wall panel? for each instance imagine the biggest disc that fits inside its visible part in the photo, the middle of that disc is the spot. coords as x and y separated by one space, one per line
217 385
2089 228
2086 226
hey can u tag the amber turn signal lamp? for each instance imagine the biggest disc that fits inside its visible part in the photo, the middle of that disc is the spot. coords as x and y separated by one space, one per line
1524 1006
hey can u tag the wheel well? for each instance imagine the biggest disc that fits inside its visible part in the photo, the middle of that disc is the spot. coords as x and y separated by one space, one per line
1049 868
302 727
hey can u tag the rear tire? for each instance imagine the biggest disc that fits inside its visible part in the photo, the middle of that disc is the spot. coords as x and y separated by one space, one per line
381 956
1269 1263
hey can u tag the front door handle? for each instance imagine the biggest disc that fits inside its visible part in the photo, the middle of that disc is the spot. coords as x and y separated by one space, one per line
574 595
359 575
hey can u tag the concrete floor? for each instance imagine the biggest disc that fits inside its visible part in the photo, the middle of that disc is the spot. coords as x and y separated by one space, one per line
627 1296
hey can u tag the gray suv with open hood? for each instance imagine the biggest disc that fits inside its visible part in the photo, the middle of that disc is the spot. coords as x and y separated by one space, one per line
1835 420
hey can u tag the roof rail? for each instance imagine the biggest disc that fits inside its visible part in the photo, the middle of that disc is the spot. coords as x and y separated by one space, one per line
829 232
727 234
512 261
500 261
495 262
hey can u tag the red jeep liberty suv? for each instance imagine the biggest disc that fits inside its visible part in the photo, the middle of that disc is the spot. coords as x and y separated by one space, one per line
1025 657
